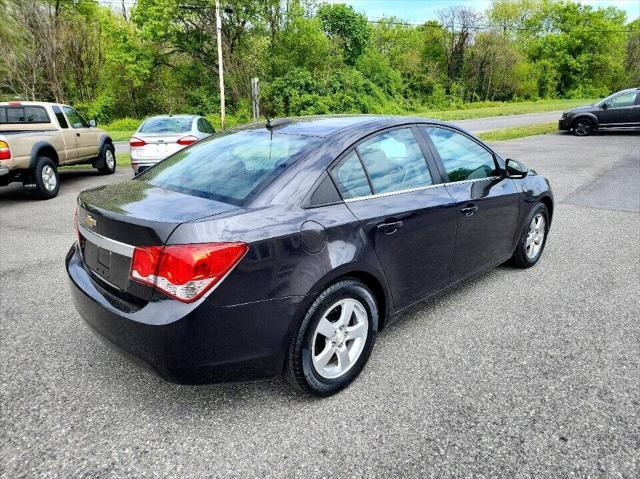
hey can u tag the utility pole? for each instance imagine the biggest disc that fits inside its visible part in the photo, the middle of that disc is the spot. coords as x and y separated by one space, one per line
220 66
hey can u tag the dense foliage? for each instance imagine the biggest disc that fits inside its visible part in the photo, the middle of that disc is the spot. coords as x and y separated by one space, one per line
311 58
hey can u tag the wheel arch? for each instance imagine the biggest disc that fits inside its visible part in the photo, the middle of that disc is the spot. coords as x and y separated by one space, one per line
548 202
587 115
42 148
371 281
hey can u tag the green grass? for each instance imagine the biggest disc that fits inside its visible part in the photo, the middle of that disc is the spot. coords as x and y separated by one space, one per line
465 111
470 111
120 135
519 132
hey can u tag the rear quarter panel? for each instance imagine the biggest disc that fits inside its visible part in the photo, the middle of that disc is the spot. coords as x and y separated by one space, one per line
22 146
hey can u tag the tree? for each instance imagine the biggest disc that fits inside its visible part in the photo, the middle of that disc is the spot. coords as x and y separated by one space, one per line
460 23
349 29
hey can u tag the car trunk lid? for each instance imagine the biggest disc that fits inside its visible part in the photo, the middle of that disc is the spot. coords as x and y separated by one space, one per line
114 219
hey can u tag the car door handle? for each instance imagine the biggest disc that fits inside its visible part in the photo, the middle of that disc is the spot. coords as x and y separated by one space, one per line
469 210
390 228
77 134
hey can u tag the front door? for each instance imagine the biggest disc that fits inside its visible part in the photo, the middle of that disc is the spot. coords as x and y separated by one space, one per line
487 204
621 110
408 218
86 138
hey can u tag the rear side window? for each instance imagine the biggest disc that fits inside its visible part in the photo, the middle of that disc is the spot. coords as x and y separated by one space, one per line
204 126
463 158
60 117
230 167
166 125
394 162
351 178
23 114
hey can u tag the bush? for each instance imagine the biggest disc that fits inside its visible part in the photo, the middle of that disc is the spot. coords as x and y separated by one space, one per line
123 124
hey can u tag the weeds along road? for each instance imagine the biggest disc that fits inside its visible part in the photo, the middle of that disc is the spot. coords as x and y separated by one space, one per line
517 373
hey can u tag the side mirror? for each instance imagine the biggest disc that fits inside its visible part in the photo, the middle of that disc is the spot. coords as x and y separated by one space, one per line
93 123
605 106
515 169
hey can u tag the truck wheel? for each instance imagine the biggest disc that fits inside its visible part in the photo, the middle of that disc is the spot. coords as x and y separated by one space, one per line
46 179
107 160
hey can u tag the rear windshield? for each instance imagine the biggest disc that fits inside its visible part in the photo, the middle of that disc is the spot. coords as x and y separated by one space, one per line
230 167
166 125
23 114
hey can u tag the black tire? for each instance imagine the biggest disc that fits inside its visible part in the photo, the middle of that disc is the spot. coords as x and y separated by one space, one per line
299 368
583 127
107 160
46 178
520 258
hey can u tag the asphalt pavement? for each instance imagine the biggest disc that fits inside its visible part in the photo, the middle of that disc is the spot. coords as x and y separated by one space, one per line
476 125
520 373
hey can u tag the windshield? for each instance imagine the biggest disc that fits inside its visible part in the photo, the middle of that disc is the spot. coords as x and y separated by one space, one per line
230 167
166 125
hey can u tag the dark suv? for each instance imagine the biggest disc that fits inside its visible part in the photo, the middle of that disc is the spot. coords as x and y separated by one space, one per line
620 110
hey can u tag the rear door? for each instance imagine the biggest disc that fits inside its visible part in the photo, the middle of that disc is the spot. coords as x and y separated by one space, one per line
392 187
68 135
487 204
86 138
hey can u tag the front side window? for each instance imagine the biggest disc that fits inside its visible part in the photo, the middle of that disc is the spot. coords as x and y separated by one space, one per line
463 158
623 100
230 167
23 114
351 178
74 117
394 161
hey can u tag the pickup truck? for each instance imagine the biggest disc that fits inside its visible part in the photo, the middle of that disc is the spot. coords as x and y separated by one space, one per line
36 138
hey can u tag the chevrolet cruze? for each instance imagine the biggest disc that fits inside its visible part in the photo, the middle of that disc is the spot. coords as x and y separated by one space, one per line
285 248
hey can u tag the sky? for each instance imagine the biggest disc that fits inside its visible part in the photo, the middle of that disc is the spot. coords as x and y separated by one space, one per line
417 11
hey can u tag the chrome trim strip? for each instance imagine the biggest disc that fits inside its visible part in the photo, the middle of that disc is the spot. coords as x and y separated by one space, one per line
411 190
107 243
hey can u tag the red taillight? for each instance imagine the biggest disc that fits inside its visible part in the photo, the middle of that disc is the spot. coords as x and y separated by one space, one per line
187 140
136 142
185 272
5 152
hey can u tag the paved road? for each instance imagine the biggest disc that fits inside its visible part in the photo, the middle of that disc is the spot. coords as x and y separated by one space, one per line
475 126
516 374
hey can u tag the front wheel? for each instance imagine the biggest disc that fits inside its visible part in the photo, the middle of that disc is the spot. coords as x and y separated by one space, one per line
107 160
334 340
583 127
533 239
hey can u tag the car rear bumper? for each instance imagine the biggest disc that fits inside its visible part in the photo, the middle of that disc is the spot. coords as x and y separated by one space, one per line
564 124
185 343
142 164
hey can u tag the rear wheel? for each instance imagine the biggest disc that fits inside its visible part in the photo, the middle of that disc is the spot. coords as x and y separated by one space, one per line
107 160
335 339
46 179
583 127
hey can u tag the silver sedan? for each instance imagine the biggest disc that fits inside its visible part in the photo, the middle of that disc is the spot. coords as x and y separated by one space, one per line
161 136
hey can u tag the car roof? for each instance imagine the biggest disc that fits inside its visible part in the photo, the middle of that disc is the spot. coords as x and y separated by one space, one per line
328 126
173 116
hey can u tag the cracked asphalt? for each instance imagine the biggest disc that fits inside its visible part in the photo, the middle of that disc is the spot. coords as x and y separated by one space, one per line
531 373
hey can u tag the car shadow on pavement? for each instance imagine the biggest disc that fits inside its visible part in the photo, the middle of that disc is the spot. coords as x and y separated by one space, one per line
68 177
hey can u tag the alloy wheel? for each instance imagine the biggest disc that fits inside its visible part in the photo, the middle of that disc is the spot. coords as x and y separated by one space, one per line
339 338
49 178
583 127
110 159
535 236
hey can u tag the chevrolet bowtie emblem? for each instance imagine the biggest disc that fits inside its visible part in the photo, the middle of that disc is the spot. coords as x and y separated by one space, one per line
90 221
